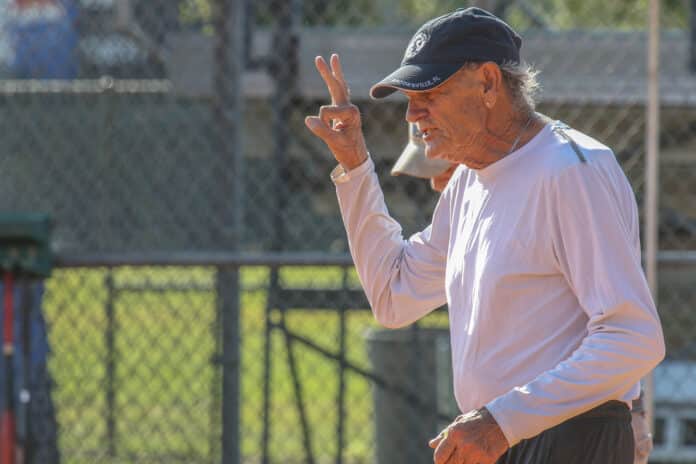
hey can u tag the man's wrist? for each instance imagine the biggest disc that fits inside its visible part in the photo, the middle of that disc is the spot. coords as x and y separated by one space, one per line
496 434
341 174
349 166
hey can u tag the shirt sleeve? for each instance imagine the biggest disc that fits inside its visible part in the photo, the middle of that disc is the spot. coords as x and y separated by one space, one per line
593 220
403 279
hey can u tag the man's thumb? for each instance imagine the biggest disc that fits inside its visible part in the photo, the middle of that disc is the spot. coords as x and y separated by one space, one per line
317 126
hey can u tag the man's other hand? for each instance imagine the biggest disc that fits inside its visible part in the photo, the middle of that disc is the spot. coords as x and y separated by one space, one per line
642 437
473 438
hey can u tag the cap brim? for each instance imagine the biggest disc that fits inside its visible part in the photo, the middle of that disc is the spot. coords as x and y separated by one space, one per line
414 78
413 162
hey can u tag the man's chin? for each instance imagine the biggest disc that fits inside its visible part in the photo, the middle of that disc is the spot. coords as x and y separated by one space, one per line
434 154
431 153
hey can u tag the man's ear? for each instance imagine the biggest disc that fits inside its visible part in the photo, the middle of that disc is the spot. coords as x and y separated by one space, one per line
492 80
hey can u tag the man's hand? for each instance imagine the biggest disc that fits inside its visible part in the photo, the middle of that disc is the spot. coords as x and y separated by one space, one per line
473 438
338 124
642 437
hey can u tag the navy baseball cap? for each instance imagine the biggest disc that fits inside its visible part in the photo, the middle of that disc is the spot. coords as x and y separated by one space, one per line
442 45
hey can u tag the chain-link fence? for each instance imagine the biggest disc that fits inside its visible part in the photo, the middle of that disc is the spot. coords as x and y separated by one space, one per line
204 308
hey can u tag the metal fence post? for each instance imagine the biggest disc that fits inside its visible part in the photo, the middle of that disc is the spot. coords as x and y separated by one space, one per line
228 111
283 67
692 35
227 288
110 363
652 171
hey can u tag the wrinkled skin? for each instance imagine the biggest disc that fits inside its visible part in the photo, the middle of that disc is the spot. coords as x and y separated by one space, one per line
470 119
339 125
439 182
473 438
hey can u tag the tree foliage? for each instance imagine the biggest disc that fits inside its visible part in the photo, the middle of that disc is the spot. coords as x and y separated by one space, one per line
553 14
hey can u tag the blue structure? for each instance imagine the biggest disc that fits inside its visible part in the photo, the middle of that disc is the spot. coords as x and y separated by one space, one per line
44 39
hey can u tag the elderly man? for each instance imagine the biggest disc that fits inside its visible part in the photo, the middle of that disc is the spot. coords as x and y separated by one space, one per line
413 162
533 245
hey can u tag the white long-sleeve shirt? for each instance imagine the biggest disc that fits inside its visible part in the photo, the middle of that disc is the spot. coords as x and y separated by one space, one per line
538 259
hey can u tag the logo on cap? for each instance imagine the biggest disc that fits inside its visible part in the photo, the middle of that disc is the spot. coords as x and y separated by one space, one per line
417 43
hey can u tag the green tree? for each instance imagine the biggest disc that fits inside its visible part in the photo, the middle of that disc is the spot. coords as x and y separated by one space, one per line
554 14
578 14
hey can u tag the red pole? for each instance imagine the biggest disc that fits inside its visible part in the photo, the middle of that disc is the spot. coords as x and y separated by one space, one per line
30 3
7 422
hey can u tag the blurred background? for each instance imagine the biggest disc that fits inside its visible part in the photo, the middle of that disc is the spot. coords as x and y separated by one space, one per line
202 307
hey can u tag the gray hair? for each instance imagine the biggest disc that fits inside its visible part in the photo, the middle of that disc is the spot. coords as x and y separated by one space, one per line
520 79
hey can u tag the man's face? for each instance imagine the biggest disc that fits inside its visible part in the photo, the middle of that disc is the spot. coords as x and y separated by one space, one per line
452 116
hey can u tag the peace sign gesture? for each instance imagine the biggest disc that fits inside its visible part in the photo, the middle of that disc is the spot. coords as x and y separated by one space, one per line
338 124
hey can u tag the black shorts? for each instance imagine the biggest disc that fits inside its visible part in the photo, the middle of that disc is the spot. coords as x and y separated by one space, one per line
602 435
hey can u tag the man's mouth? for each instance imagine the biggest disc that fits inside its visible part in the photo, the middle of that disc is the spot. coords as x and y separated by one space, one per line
428 134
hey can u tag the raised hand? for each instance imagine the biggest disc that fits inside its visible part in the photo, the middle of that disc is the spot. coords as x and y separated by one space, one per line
338 124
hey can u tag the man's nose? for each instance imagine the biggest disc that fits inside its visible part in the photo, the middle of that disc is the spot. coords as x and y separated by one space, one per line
414 112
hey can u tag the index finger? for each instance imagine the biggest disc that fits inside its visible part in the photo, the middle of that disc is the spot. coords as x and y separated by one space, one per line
336 85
